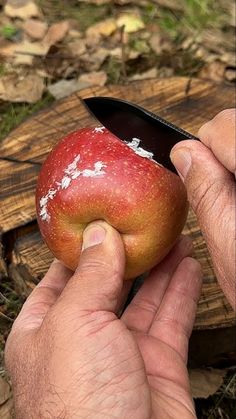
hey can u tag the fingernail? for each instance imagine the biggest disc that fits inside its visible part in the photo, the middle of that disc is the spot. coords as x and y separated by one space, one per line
181 159
92 236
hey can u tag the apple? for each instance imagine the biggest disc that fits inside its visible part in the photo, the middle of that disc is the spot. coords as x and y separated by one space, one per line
92 175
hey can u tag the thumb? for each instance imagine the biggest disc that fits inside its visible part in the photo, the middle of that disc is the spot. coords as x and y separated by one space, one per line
97 282
210 188
209 184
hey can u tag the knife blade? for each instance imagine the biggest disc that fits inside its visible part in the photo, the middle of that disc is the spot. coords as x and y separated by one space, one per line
129 121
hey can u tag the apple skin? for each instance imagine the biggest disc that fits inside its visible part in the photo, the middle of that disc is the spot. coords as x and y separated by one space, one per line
145 202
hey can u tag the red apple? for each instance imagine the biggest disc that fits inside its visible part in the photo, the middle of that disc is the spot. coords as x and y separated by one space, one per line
92 175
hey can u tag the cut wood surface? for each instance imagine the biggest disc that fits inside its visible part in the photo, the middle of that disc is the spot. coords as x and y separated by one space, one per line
186 103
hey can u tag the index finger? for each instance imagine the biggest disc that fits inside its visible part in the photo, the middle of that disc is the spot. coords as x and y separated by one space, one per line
219 135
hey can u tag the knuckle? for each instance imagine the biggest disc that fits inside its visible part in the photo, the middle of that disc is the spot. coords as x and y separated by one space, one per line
203 131
102 271
226 115
94 266
205 196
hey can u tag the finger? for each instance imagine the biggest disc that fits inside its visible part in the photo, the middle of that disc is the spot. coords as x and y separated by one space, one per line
42 298
142 309
219 135
211 193
174 320
127 285
97 283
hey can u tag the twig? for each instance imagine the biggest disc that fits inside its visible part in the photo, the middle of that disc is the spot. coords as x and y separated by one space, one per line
123 53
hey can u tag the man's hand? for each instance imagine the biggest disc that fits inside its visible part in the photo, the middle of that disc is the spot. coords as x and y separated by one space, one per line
208 170
70 356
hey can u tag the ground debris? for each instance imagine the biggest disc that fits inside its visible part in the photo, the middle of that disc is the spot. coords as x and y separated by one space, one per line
15 88
129 40
206 382
64 88
22 9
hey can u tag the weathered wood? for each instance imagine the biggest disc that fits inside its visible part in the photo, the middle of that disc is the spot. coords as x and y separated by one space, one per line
186 103
17 189
31 258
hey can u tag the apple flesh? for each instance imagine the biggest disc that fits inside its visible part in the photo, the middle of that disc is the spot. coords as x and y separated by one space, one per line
92 175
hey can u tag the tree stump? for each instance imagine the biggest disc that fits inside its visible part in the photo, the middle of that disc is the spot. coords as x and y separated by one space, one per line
187 103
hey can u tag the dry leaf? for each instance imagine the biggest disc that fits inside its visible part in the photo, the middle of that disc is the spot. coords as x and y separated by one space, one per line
149 74
63 88
6 410
74 33
131 22
24 52
4 391
159 44
77 47
35 28
213 71
104 28
93 62
230 74
205 382
97 2
21 89
22 9
56 33
116 52
171 4
95 78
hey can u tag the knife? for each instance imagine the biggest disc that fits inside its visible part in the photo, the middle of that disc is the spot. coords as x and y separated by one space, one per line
129 121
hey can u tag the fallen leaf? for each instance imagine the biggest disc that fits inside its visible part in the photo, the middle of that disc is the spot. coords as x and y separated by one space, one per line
35 28
24 52
104 28
93 61
213 71
171 4
74 34
94 78
14 88
131 22
132 54
229 58
205 382
4 391
159 44
116 52
77 47
22 9
6 410
97 2
63 88
215 40
149 74
55 33
230 74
